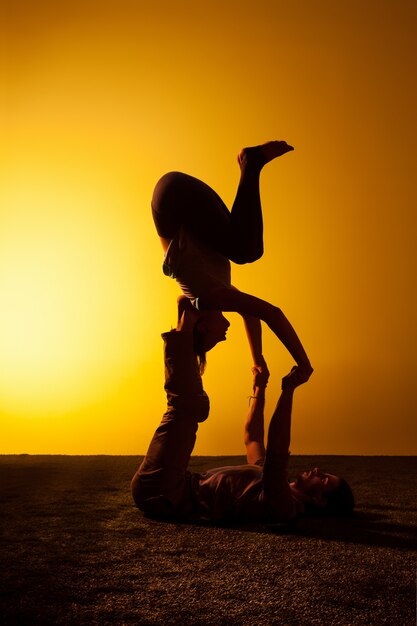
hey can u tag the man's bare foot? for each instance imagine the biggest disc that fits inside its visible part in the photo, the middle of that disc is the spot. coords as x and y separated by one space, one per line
187 314
258 156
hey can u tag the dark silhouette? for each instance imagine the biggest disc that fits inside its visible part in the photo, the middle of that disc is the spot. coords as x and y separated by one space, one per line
200 237
258 491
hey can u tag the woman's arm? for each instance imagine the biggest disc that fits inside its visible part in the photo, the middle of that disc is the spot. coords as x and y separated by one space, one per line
254 334
226 299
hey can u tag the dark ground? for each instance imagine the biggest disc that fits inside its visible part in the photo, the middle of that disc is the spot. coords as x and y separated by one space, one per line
74 550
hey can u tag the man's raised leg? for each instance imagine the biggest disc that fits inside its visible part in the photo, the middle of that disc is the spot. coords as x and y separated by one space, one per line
160 485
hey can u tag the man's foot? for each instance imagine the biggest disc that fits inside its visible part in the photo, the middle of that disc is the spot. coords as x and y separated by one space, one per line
187 314
258 156
182 304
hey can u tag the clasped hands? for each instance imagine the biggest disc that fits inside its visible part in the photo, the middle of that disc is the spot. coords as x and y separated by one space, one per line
298 375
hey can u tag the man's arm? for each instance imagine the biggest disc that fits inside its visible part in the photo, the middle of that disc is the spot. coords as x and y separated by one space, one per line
277 493
254 425
279 432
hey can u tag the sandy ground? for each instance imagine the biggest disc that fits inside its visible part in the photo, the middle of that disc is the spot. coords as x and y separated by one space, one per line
74 550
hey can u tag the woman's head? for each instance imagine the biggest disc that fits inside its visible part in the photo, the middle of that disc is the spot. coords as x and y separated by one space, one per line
210 329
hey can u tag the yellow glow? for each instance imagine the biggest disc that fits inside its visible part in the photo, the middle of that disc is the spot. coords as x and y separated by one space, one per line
70 292
100 101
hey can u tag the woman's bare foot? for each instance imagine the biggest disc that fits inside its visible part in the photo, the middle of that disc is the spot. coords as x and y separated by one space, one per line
258 156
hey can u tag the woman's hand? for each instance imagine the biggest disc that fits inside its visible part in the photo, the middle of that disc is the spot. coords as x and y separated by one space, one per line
260 373
298 376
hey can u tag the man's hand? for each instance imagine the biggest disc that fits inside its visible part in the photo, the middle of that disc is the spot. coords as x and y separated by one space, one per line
298 375
260 375
261 367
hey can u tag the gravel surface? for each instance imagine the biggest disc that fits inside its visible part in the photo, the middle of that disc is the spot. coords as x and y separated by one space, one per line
74 550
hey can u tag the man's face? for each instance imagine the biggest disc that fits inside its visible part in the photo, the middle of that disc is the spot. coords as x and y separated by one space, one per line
213 326
316 483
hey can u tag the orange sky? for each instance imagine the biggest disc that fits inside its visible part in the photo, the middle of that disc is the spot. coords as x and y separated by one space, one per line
101 98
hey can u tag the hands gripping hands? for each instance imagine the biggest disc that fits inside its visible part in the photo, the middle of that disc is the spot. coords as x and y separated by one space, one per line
299 374
260 373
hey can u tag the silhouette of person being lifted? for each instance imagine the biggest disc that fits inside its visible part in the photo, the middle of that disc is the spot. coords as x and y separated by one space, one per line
200 237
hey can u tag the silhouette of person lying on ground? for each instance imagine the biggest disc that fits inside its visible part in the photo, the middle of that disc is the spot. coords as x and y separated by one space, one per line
258 491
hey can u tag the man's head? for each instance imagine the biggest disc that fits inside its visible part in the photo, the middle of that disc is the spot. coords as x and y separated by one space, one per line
323 494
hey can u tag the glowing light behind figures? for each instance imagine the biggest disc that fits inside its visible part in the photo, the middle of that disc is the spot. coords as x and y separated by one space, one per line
70 291
100 99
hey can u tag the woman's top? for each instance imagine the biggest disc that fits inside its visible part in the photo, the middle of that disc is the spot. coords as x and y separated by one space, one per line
196 267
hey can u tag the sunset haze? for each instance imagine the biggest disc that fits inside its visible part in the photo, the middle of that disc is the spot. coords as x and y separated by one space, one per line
102 98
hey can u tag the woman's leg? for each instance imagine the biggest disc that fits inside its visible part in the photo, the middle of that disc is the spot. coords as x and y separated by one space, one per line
246 217
246 223
182 200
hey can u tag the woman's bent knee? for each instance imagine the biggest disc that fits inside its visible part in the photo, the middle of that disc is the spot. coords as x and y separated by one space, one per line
243 257
170 180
